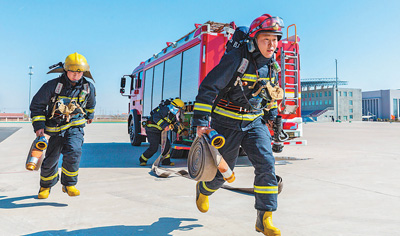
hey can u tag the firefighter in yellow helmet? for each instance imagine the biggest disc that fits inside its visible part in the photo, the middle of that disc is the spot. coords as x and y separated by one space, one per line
161 118
60 109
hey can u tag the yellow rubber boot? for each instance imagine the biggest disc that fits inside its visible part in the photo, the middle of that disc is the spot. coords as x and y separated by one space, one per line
264 224
71 190
44 193
201 200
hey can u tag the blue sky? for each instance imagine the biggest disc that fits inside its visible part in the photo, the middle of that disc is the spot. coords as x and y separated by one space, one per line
115 36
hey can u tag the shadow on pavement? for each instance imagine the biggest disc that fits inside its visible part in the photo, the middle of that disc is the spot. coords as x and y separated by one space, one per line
8 203
116 155
5 132
164 226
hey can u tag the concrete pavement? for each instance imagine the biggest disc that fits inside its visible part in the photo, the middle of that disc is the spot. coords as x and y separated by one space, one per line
348 186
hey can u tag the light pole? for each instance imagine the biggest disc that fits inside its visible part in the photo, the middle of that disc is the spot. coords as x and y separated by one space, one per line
30 84
337 98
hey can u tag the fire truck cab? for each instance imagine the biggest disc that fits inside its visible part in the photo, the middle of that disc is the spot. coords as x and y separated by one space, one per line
179 68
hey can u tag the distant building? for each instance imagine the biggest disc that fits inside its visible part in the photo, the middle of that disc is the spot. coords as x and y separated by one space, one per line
381 104
12 116
318 104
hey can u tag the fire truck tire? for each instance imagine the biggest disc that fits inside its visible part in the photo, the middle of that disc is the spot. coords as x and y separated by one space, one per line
134 129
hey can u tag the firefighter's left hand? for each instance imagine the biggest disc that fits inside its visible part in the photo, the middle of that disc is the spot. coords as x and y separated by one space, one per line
89 121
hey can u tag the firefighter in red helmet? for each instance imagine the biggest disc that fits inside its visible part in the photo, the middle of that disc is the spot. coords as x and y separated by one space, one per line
239 114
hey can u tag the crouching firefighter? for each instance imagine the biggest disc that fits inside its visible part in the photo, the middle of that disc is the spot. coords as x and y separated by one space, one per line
163 117
60 109
238 95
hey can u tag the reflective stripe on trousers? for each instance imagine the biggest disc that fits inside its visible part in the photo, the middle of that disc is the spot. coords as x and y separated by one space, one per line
257 144
71 147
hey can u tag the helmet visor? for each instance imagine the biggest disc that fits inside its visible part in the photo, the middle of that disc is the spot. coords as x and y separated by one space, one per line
272 23
76 68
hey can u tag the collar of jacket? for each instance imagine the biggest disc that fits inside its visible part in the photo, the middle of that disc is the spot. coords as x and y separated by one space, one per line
260 59
67 83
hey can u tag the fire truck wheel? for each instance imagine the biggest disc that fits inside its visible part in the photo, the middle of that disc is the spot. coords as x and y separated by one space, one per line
134 129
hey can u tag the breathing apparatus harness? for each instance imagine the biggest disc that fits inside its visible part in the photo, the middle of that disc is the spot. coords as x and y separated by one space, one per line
65 110
265 91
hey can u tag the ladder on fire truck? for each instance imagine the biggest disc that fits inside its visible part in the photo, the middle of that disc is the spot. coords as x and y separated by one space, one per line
290 59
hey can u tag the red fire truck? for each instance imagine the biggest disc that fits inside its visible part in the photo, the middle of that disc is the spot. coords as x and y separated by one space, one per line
178 69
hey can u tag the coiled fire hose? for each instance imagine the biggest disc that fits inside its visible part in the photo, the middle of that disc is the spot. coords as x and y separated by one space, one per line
204 161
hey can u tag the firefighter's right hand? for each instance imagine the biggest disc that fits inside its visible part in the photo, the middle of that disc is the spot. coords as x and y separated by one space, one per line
201 130
39 132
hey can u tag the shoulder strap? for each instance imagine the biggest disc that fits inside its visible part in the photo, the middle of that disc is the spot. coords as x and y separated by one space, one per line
86 87
233 82
57 90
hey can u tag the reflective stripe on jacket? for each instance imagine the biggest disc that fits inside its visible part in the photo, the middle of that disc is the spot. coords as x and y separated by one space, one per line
41 106
218 78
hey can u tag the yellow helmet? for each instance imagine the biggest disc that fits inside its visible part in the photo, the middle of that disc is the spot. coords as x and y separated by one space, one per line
178 103
74 62
77 63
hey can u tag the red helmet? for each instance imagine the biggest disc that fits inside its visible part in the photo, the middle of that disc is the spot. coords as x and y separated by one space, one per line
266 23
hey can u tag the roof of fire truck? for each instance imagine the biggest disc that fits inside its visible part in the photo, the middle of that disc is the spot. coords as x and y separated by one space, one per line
208 27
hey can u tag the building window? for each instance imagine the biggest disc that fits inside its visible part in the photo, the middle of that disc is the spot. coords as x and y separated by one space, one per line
351 117
345 94
320 94
345 118
326 102
340 93
326 93
320 102
312 94
350 102
330 101
316 94
395 108
330 94
351 110
313 103
350 94
309 103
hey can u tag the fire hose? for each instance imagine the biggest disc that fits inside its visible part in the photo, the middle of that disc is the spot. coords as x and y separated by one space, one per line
204 161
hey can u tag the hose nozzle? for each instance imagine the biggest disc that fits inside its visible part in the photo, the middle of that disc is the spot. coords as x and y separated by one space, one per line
215 139
41 143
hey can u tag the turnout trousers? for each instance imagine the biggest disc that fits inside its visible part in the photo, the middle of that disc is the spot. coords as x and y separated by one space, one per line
256 141
70 145
154 138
